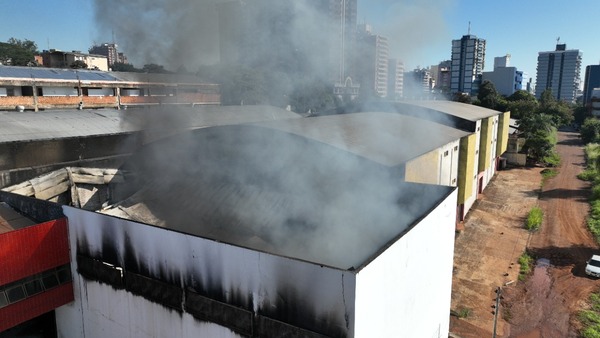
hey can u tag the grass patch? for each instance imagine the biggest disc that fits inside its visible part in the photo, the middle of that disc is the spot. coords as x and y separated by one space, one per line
590 318
552 160
548 174
534 219
592 174
526 263
464 312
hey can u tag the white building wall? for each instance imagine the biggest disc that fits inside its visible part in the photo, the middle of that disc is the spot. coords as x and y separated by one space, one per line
410 283
102 311
101 92
473 197
491 169
449 164
59 91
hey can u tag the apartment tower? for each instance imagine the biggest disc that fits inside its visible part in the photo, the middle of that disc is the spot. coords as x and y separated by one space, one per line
559 71
468 58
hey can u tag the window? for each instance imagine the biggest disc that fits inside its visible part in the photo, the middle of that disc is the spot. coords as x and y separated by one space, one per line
445 153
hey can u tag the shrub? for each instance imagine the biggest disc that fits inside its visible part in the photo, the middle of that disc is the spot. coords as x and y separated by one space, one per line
534 219
525 261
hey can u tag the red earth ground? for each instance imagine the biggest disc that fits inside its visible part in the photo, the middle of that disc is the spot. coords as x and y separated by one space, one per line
546 303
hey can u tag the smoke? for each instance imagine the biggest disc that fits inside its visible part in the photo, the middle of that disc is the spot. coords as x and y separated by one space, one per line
412 28
193 33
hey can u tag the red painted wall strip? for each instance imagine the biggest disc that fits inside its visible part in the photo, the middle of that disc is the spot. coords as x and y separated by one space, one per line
37 305
33 249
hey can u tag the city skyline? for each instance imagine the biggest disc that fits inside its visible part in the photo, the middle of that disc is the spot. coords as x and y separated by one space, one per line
420 32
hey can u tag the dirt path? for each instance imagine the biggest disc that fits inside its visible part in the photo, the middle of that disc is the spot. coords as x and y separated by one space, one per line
566 242
487 250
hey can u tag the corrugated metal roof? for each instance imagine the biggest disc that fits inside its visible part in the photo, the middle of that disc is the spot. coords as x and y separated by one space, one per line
462 110
275 191
52 124
156 78
387 138
54 73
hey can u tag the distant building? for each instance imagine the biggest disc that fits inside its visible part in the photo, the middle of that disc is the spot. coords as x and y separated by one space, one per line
372 61
468 59
559 71
441 76
110 51
507 80
395 89
591 81
502 61
38 88
58 59
418 84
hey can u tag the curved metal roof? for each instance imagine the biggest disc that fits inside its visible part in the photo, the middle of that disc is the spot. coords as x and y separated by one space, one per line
465 111
274 191
54 74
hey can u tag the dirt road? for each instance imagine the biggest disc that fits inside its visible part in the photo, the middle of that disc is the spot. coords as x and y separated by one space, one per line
486 253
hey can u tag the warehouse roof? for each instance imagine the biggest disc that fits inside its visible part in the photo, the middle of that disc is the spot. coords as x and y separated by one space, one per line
44 73
54 124
386 138
37 73
261 187
458 109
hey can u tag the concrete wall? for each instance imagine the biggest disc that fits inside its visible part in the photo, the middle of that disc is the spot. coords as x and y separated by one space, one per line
144 281
503 130
410 283
467 173
436 167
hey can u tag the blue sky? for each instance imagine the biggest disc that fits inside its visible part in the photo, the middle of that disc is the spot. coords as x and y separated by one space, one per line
419 31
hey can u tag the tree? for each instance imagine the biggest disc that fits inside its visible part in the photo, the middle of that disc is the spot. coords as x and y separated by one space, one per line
488 95
314 96
27 45
522 95
154 68
78 64
537 130
123 67
521 108
590 131
547 99
18 53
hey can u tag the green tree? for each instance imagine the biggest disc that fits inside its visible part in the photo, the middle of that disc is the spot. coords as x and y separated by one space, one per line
488 95
314 96
521 95
18 53
590 131
538 130
547 99
154 68
123 67
27 45
78 64
522 108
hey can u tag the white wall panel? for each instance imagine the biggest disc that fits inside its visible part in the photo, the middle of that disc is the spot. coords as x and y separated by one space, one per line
405 292
264 279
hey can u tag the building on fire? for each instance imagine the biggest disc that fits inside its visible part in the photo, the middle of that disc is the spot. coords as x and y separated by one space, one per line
241 222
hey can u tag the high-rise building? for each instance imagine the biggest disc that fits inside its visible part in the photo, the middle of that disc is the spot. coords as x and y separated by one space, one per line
343 22
395 89
468 58
440 74
371 64
591 81
559 71
110 51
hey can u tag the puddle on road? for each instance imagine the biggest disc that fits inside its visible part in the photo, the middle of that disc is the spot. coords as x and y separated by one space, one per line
539 285
540 280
